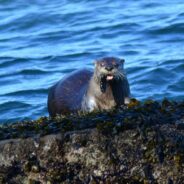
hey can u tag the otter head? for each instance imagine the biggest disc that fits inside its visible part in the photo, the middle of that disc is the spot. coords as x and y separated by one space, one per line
108 70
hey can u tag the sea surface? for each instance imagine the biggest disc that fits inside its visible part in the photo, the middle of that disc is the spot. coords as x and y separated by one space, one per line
42 40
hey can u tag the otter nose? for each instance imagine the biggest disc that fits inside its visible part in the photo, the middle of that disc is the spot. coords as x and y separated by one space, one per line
109 68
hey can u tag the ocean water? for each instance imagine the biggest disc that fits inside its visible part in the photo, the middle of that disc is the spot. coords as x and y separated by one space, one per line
41 41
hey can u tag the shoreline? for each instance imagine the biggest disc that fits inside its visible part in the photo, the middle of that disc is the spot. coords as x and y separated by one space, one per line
162 110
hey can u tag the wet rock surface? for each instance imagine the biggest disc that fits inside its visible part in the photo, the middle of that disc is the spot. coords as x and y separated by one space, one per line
143 143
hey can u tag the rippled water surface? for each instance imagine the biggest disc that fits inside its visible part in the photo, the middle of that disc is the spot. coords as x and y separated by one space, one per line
41 41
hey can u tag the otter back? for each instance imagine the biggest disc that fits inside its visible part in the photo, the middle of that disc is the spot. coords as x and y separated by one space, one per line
67 95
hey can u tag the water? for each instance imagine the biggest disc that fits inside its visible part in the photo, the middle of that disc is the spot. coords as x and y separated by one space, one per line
41 41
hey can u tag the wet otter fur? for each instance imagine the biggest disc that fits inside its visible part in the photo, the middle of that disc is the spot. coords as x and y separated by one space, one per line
83 90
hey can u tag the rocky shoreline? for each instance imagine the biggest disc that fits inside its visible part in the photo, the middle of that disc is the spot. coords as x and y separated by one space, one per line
142 143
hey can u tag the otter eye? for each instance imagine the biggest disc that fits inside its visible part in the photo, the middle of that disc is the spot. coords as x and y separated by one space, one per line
102 64
116 65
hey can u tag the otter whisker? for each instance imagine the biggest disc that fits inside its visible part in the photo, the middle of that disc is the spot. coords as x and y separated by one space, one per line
120 75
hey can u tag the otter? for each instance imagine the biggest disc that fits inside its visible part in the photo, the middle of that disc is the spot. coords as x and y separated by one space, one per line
83 90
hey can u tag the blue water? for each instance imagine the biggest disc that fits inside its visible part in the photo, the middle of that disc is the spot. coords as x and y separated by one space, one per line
41 41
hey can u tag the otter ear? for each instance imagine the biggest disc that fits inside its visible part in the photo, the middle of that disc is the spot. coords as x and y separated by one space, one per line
95 62
122 61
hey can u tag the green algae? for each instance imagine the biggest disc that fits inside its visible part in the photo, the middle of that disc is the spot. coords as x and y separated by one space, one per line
148 113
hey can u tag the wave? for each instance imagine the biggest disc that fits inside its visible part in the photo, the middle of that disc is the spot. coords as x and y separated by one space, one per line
33 72
176 28
5 106
28 92
9 61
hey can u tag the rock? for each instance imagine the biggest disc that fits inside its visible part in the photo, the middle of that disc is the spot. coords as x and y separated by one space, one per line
138 145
